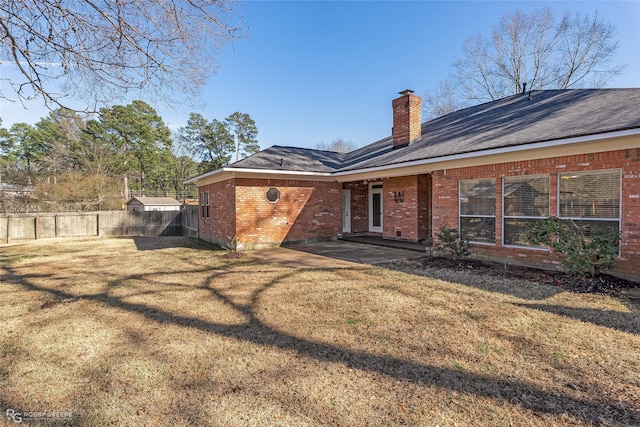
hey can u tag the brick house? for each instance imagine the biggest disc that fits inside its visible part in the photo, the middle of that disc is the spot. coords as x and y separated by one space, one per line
491 170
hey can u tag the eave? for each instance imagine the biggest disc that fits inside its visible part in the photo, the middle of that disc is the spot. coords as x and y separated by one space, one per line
610 141
227 172
617 140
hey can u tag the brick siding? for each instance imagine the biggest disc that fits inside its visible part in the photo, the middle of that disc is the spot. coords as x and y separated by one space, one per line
407 123
306 210
424 207
445 203
415 207
359 206
400 205
220 227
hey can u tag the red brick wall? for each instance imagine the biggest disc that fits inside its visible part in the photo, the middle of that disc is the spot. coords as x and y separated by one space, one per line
221 224
424 207
445 202
400 204
307 210
359 206
406 203
407 121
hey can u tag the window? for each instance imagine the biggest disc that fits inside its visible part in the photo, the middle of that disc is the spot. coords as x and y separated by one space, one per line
591 199
478 209
204 204
273 195
525 200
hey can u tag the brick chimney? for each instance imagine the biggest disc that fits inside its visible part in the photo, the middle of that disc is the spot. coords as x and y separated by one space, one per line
407 126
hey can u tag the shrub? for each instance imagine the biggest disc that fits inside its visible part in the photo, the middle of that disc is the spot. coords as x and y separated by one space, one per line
450 241
231 245
587 252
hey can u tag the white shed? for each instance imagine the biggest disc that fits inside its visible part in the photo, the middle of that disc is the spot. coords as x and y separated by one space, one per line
153 204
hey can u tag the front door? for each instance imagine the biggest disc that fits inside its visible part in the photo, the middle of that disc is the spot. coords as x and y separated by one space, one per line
346 211
375 208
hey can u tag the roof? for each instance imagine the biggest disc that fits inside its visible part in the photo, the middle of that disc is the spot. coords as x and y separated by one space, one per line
514 121
293 158
155 201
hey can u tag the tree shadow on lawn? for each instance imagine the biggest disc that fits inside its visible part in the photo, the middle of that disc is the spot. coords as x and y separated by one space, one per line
520 282
169 242
625 322
255 331
476 274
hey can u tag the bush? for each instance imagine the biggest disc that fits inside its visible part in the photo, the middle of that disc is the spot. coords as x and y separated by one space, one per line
586 253
231 245
451 242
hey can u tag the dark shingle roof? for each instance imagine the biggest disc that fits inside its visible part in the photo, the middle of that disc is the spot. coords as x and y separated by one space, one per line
293 158
515 120
512 121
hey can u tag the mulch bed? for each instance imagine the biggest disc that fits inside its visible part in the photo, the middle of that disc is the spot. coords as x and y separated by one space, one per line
604 284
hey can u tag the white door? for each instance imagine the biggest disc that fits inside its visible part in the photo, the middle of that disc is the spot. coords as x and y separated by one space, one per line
346 211
375 207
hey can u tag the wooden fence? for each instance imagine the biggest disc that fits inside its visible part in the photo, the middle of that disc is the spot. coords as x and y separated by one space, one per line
17 228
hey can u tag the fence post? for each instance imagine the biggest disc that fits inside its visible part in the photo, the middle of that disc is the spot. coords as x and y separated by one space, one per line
8 229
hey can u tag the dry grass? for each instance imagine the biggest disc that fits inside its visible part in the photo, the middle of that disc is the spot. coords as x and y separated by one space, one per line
168 331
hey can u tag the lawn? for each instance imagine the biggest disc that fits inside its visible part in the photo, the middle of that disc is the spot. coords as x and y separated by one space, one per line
170 331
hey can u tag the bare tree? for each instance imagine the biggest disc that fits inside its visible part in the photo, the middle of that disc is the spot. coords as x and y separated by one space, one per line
100 50
338 145
536 49
443 100
184 168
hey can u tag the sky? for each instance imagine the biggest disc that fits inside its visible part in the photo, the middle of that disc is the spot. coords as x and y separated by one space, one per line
313 72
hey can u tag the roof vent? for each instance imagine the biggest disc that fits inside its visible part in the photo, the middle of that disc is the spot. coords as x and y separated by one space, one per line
524 87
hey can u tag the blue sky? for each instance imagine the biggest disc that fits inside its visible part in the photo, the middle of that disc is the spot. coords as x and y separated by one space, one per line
312 72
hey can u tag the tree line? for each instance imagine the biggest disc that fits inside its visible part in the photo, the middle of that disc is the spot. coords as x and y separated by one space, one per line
68 162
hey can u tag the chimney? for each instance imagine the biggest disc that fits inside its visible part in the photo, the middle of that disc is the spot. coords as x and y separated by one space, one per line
407 126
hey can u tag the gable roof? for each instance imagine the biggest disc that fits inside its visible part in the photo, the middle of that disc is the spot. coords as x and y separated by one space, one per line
155 201
293 158
515 121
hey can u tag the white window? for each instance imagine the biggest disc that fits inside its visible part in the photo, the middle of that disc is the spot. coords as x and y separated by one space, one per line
477 207
525 201
591 199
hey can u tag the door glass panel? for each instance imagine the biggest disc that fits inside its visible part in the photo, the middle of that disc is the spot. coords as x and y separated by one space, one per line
376 210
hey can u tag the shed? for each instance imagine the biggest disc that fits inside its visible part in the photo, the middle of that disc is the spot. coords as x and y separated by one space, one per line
142 203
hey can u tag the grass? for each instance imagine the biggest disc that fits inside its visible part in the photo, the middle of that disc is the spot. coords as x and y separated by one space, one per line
169 331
